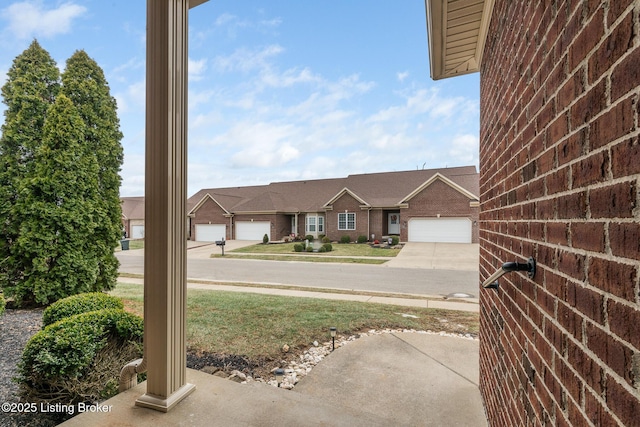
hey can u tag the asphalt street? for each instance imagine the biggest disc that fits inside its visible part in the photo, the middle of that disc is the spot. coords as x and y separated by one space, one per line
359 277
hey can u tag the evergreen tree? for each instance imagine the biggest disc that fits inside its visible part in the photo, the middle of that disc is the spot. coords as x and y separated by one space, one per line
58 205
33 83
85 84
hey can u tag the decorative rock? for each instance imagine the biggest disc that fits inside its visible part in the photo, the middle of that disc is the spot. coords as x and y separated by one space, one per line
285 348
220 374
210 369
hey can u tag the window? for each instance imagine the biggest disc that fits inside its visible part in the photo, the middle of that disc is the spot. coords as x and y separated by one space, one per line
311 224
314 223
346 221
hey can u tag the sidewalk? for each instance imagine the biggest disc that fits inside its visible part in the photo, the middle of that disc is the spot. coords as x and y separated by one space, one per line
400 379
466 304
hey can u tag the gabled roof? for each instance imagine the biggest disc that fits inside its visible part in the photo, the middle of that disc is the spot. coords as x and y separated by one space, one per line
342 193
132 207
439 177
377 190
206 197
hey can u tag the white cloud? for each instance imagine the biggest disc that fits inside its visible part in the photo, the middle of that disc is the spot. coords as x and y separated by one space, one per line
402 76
464 149
29 19
246 60
197 69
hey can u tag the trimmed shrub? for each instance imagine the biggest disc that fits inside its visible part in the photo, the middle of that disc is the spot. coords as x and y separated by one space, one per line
327 247
265 239
3 304
362 239
309 248
345 239
79 358
322 249
395 240
309 237
326 239
298 247
76 304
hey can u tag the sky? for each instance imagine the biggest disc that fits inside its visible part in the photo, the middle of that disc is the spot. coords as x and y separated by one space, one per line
279 90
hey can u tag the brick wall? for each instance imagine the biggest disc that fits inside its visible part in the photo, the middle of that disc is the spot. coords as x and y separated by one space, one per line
441 199
350 204
560 181
209 213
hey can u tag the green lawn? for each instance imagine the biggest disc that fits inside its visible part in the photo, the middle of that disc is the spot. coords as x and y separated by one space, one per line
257 326
339 249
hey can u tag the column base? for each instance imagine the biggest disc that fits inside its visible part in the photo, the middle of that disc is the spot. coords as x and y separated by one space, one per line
165 404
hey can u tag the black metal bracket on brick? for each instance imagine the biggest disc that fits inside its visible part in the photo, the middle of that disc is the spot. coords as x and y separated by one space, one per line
508 267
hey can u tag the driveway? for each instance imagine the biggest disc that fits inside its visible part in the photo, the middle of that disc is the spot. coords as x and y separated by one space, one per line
438 256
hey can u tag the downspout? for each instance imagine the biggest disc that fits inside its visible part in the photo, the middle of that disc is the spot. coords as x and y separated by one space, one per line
129 374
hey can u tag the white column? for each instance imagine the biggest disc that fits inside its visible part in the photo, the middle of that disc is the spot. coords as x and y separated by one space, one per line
165 205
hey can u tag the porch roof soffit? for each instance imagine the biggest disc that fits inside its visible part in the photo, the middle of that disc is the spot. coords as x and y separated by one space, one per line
433 179
456 32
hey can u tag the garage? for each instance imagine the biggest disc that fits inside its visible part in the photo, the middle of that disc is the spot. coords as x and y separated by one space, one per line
210 232
137 232
252 230
440 230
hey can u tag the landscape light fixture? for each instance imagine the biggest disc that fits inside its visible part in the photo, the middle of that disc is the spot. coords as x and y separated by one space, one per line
333 337
279 376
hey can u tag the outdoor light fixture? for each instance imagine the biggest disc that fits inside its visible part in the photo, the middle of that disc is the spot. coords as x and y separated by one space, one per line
279 376
333 337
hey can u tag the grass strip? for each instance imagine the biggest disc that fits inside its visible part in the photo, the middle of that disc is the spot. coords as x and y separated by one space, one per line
339 249
257 326
304 258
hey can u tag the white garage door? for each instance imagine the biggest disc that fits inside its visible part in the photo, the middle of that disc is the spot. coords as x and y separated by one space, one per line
445 230
210 232
246 230
137 231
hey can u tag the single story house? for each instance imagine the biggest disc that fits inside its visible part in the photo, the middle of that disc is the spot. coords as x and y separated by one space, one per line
434 205
133 217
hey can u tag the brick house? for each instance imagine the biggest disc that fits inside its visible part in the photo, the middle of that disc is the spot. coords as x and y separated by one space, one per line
133 217
560 182
422 205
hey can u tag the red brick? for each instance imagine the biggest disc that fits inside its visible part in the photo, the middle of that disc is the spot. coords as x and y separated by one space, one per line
615 201
625 158
623 321
591 170
617 44
545 209
557 181
625 77
624 239
613 277
589 105
596 412
573 206
558 233
615 123
623 404
572 89
590 303
588 369
588 236
614 353
572 147
570 320
616 8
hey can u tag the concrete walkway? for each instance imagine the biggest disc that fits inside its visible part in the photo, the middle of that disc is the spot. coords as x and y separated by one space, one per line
437 256
400 379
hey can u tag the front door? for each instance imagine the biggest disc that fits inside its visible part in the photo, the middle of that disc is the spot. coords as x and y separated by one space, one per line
394 222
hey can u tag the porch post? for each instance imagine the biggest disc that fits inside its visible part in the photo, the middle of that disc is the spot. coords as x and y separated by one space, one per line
165 205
